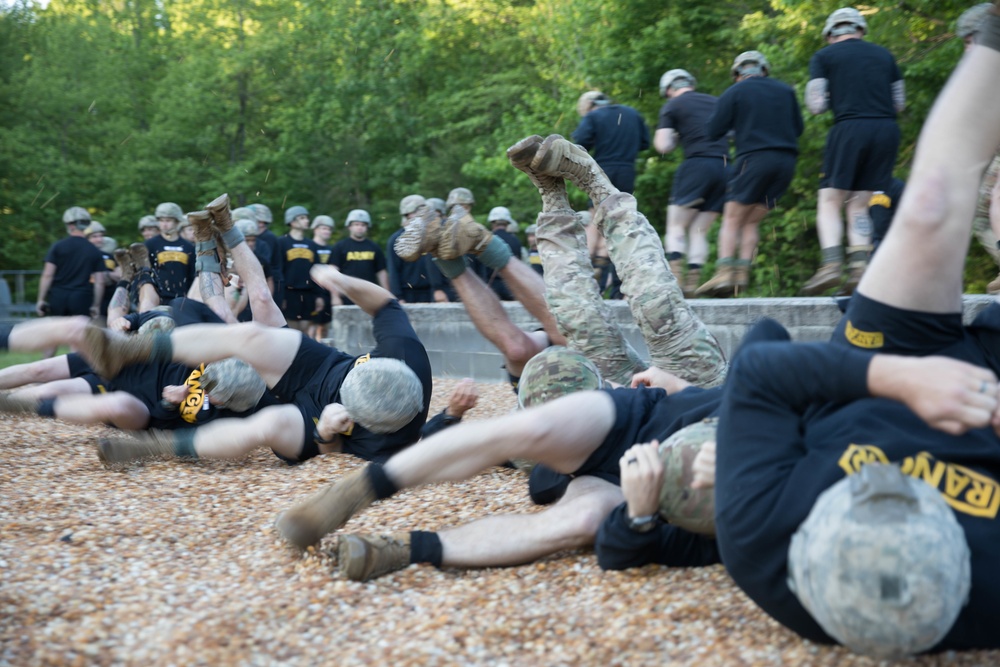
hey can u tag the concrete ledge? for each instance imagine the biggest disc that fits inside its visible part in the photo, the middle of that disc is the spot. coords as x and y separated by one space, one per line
456 349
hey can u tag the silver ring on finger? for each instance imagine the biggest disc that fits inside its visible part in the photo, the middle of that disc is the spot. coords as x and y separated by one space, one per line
631 461
984 387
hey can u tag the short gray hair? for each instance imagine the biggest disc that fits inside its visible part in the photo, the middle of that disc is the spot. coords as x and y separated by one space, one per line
382 394
233 384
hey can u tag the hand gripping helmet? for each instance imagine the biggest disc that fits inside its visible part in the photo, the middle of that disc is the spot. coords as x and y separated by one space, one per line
555 372
682 506
742 63
679 77
881 563
844 21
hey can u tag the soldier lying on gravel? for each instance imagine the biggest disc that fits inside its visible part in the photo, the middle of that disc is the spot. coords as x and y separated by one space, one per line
569 441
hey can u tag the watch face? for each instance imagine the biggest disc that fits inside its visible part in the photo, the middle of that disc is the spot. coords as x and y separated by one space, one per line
642 524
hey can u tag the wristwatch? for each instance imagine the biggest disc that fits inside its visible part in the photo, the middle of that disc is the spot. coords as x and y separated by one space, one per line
643 524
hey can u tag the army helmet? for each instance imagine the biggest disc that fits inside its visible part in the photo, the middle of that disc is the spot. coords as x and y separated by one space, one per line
322 221
147 221
437 204
675 75
500 213
844 21
94 228
682 506
76 216
555 372
358 215
750 57
461 196
293 212
262 213
971 20
170 210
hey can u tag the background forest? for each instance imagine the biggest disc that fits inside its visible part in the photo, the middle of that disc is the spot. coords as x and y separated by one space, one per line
339 104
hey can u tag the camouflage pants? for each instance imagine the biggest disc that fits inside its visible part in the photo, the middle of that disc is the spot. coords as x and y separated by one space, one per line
981 223
678 341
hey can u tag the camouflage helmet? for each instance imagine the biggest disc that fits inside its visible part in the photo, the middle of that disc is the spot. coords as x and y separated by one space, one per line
461 196
322 221
881 563
262 212
147 221
382 394
681 77
589 100
233 384
94 228
531 230
844 21
500 213
410 204
684 507
513 227
437 204
169 210
77 216
247 226
555 372
748 57
971 20
358 215
163 321
109 245
294 212
243 213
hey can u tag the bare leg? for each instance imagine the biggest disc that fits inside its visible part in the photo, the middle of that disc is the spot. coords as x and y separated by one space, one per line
54 388
513 539
149 298
119 306
698 235
829 222
270 351
118 408
213 295
751 217
561 434
265 310
929 238
47 333
491 320
278 427
859 230
45 370
529 288
679 219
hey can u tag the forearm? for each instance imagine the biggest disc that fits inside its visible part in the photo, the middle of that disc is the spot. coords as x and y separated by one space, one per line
665 140
119 306
817 100
438 423
99 280
368 296
45 283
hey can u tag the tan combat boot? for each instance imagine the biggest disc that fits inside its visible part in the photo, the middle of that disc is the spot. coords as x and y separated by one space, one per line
461 235
364 557
109 351
827 277
993 287
124 259
677 267
142 445
563 159
691 281
551 188
420 236
140 256
219 210
721 284
305 524
15 405
741 277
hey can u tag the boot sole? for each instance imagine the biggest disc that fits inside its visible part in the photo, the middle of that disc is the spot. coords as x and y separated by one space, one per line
523 152
352 558
408 245
218 208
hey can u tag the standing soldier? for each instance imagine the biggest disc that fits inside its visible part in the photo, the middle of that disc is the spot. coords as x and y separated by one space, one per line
699 188
95 233
764 115
860 82
418 281
322 226
171 257
148 227
267 248
72 281
358 256
300 300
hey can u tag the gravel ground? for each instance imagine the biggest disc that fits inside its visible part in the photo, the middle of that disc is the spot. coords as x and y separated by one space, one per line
178 563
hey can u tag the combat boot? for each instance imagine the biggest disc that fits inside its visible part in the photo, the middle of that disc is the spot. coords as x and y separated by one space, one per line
305 524
420 236
219 210
721 284
552 189
560 158
125 266
140 257
364 557
827 277
201 222
461 235
109 351
691 281
741 277
15 405
854 272
993 287
142 445
677 267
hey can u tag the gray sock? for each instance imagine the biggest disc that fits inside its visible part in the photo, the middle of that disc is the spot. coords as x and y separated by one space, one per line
451 268
496 254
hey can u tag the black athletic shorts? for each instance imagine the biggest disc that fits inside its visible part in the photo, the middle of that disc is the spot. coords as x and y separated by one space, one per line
79 368
298 305
860 154
874 326
761 177
621 176
324 316
700 183
64 302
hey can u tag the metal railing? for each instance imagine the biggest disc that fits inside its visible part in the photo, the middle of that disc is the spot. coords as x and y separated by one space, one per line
14 287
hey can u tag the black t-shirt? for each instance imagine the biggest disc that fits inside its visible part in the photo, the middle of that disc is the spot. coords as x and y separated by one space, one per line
269 253
763 112
403 275
76 259
859 78
297 258
687 115
358 259
614 134
801 420
173 264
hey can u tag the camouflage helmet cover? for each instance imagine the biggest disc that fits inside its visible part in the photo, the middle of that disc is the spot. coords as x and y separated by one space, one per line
94 228
589 100
147 221
500 213
555 372
358 215
294 212
461 196
382 394
970 22
243 213
247 226
673 75
881 563
410 204
76 215
844 21
750 57
262 212
169 210
684 507
109 245
531 230
437 204
322 221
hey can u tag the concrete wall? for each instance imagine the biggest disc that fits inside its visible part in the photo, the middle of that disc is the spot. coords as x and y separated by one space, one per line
456 349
